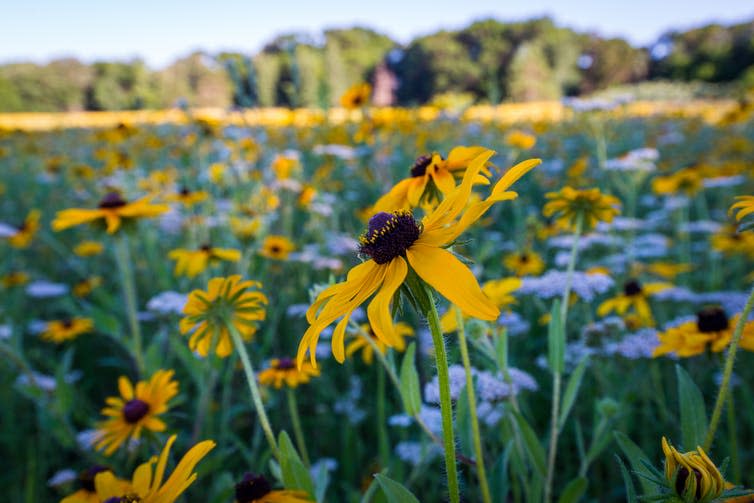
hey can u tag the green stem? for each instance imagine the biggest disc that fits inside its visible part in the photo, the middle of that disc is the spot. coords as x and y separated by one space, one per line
446 405
728 371
123 259
298 432
253 388
382 440
471 395
733 442
556 375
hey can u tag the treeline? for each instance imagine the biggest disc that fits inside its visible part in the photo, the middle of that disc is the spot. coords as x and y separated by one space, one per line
488 61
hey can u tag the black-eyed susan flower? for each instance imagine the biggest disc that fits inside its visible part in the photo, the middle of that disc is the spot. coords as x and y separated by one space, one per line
22 236
687 181
257 489
499 291
284 371
113 209
590 204
194 262
431 175
187 197
520 140
356 96
87 492
744 207
14 278
358 343
729 241
667 270
147 484
524 263
58 331
634 296
245 228
227 300
88 248
137 408
86 286
276 247
692 476
392 242
711 330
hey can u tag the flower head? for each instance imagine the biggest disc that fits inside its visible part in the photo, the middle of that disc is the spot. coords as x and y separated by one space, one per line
68 329
227 301
356 96
524 263
634 296
188 197
22 236
276 247
194 262
359 343
88 248
692 475
591 204
712 329
284 371
256 489
113 209
137 408
744 205
392 242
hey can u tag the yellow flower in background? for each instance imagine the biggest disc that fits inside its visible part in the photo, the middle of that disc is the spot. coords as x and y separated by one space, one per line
284 167
14 278
88 248
147 485
66 330
667 270
688 181
217 173
159 180
307 195
729 241
692 475
85 287
113 209
187 198
711 330
568 203
392 241
745 206
357 96
431 174
256 489
23 234
634 296
245 229
88 492
137 408
524 263
520 140
402 330
284 371
226 301
191 263
276 247
499 291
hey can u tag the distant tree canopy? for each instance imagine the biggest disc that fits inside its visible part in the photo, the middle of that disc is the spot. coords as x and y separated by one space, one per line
490 60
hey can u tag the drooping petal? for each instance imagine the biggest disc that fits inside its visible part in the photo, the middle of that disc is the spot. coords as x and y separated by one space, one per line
378 311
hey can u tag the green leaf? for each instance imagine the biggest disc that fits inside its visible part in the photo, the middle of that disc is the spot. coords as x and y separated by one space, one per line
572 391
635 456
410 392
555 340
534 449
693 415
574 490
294 473
395 491
627 481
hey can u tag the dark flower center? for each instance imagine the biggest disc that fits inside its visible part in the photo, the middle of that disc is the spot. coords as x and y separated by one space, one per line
134 410
67 323
711 319
524 258
86 478
184 191
206 247
389 235
285 364
112 200
275 249
126 498
251 488
419 168
682 478
632 288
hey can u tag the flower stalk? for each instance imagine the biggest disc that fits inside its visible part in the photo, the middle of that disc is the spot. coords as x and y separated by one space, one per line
125 268
298 432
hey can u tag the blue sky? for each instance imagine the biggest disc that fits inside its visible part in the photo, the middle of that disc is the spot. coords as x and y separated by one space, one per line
159 31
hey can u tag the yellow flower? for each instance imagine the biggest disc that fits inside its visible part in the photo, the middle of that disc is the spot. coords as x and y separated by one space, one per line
217 172
307 195
26 231
356 96
634 296
112 208
520 140
194 262
227 300
687 180
499 291
402 330
66 330
694 477
283 166
14 278
430 174
712 329
245 229
525 263
85 287
283 370
668 270
395 240
137 408
147 485
256 489
187 198
88 248
88 492
730 242
276 247
569 203
745 206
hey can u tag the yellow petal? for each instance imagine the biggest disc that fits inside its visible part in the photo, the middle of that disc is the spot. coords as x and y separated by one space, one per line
379 309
